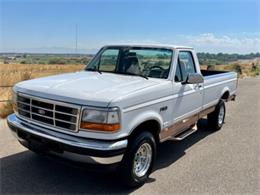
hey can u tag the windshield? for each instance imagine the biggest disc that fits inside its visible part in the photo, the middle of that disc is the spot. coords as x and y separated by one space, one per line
146 62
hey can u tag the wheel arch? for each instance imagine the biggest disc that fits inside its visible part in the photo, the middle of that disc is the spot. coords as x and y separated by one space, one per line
152 124
225 94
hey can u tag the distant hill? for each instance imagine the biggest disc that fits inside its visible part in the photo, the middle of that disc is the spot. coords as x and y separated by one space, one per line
221 58
81 58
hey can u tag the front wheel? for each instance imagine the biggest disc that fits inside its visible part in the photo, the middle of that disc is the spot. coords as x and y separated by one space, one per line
217 117
138 159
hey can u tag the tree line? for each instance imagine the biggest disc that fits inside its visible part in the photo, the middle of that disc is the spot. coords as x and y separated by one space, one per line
223 58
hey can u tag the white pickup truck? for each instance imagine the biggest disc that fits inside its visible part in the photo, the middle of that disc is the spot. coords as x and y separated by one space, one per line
117 110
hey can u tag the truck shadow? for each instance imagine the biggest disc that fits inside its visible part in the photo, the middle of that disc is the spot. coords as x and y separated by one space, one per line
171 151
27 173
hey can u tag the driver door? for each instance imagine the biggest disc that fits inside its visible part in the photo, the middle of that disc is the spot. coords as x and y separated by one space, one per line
189 96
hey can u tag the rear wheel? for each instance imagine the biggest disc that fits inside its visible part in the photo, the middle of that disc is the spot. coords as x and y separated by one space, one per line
217 117
138 159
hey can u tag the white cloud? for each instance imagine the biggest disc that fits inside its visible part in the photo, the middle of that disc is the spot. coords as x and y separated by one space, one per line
209 42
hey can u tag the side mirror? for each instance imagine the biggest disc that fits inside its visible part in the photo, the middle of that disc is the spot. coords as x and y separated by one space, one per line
194 78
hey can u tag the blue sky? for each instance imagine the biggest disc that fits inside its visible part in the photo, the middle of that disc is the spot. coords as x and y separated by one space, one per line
49 26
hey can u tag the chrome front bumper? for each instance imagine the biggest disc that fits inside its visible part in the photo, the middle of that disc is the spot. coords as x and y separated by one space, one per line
72 147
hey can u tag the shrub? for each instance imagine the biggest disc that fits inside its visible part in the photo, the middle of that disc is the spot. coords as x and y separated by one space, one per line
5 109
25 62
253 67
26 76
237 68
57 61
42 62
210 67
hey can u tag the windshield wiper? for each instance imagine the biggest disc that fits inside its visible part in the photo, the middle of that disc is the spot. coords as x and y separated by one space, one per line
94 69
133 74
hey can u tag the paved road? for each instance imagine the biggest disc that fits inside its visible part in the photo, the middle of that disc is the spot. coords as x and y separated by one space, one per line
226 161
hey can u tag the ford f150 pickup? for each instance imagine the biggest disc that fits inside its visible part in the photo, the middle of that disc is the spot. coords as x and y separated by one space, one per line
116 111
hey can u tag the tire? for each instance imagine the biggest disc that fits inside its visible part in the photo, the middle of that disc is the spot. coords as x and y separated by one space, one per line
217 117
134 174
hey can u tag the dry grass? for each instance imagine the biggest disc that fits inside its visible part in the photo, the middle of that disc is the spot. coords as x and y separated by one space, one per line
5 109
13 73
243 70
10 74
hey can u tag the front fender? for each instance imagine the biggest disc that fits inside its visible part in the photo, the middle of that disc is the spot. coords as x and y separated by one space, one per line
138 118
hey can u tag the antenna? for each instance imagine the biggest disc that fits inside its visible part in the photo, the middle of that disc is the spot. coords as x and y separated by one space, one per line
76 39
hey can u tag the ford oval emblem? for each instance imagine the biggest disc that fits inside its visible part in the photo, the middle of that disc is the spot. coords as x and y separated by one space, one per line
41 112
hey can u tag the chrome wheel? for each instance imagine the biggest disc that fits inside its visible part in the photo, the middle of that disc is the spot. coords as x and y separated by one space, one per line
221 115
142 160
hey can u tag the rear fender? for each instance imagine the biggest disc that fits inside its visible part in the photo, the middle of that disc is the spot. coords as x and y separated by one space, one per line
225 90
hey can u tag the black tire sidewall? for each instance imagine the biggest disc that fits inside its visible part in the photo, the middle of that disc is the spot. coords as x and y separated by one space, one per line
221 104
128 160
213 117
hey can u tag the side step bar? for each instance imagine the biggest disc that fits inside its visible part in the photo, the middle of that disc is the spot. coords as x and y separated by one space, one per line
184 134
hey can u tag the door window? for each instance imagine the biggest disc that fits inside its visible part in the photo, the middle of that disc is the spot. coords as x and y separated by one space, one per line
178 75
185 66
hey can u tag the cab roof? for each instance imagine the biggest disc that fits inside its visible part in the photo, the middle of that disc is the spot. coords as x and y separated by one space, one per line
168 46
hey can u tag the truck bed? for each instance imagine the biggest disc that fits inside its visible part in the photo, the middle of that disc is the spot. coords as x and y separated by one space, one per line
216 83
211 72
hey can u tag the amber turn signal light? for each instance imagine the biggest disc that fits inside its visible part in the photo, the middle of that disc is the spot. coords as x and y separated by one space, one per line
100 127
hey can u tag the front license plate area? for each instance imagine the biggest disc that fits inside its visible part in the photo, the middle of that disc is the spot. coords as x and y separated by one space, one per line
42 145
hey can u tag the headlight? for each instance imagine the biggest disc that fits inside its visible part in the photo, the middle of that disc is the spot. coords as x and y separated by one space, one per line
100 119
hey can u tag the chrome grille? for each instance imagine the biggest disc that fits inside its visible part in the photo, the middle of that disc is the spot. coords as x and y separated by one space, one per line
52 113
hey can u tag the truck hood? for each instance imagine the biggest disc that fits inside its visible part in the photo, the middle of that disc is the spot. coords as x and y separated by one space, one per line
85 88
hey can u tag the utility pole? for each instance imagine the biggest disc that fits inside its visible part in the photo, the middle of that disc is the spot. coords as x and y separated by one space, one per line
76 39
